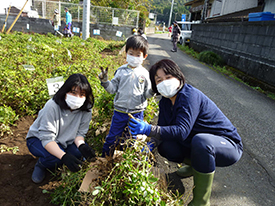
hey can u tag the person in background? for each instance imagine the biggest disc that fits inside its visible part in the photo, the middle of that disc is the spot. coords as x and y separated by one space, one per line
170 30
175 36
132 86
67 29
141 33
56 20
57 135
134 31
191 129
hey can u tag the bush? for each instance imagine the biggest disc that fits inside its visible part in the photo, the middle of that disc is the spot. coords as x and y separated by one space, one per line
211 58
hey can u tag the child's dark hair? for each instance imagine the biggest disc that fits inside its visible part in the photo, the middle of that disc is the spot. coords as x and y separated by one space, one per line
140 31
169 67
75 80
137 42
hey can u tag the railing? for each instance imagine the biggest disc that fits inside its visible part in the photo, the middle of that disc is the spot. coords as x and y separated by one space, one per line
98 14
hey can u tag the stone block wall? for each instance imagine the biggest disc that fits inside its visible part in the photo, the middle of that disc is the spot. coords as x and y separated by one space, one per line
43 26
246 46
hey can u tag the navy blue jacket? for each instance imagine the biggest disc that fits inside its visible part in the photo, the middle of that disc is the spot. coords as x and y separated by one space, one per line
192 113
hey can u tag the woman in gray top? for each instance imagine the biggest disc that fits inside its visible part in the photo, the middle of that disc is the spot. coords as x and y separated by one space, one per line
57 135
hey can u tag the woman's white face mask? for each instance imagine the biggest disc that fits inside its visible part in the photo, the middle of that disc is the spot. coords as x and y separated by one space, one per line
74 102
134 61
169 88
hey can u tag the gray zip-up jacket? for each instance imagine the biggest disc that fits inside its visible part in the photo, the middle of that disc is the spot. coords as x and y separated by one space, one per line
132 88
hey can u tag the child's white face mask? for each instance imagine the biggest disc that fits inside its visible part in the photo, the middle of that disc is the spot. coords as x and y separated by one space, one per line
134 61
168 88
74 102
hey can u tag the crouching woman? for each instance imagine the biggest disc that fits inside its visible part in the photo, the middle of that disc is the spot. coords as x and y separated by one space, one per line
57 135
191 129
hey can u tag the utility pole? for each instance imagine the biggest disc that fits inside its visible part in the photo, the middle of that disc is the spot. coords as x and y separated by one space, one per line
86 19
171 10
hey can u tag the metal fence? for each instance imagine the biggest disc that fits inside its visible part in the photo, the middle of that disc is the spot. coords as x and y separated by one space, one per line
98 14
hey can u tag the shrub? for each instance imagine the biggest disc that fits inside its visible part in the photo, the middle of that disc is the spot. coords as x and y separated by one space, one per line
211 58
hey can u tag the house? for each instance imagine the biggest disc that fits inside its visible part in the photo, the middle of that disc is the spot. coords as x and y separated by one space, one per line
227 10
228 30
16 5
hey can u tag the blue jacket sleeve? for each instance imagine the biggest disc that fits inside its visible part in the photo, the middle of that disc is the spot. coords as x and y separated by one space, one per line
177 122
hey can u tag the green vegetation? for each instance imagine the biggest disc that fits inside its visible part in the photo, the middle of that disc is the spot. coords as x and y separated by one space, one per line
126 181
24 92
211 58
162 9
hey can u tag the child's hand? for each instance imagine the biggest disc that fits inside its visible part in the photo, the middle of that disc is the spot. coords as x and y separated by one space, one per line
103 76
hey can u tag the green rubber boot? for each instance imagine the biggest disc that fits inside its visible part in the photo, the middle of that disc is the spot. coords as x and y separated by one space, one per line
185 171
202 188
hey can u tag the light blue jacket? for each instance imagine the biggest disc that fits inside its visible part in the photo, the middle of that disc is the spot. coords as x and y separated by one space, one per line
68 18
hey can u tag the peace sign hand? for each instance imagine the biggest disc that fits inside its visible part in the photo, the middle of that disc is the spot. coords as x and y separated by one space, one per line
103 76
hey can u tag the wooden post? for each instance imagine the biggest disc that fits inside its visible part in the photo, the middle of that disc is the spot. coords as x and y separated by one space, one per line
6 20
17 17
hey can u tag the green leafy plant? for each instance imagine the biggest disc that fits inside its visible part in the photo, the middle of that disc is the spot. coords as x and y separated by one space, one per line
131 181
7 117
211 58
4 148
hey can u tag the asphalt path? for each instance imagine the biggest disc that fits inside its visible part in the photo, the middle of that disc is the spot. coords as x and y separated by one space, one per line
251 181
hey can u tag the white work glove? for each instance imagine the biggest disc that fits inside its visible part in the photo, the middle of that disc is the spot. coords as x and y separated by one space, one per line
103 76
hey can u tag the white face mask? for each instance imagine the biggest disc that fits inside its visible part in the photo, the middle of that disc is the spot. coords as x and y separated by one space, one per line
134 61
74 102
168 88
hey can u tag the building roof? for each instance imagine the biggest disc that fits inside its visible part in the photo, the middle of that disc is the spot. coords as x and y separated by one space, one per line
192 2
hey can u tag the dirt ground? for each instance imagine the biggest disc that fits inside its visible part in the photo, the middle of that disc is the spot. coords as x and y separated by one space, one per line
17 187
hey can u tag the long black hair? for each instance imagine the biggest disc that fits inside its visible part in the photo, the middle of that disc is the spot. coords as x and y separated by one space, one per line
75 80
169 67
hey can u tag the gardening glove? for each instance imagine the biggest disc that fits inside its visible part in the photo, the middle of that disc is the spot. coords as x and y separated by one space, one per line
71 162
138 126
86 151
103 76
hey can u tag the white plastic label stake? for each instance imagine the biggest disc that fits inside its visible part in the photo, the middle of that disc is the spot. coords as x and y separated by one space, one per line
96 32
75 29
28 26
119 33
69 54
28 67
115 21
54 84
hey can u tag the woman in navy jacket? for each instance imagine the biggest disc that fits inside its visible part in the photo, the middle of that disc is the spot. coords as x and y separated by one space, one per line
191 128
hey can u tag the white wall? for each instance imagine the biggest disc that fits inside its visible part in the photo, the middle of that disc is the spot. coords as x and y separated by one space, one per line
269 6
230 6
17 3
216 8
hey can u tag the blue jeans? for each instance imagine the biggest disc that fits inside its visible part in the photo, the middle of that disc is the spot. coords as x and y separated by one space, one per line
118 127
206 151
45 158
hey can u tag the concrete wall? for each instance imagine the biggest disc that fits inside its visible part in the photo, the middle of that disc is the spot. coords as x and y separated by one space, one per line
43 26
269 6
231 6
246 46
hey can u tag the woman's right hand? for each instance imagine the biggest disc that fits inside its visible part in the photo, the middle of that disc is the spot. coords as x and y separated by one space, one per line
71 162
139 127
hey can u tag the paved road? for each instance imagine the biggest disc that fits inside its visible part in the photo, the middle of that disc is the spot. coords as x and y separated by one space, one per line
251 181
